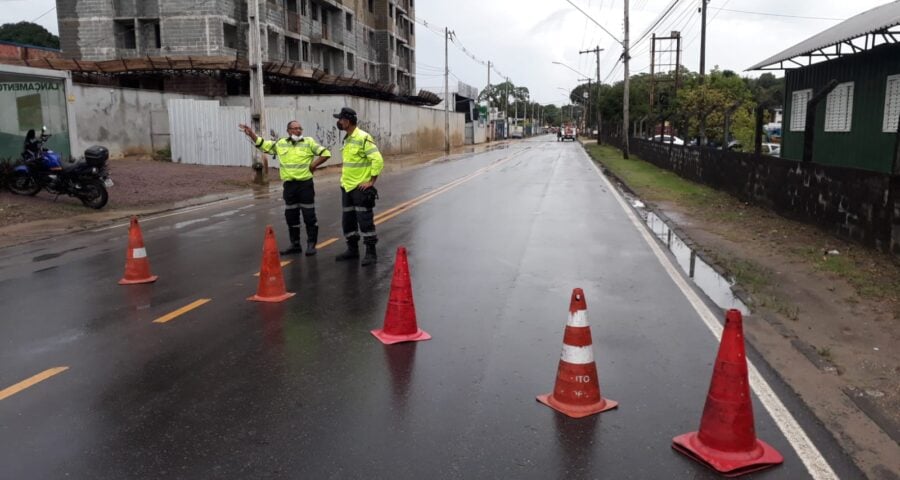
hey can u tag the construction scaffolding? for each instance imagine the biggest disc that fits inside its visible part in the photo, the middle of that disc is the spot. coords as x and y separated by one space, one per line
665 56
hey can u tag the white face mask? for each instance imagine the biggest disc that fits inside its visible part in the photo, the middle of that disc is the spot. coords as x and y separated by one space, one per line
296 138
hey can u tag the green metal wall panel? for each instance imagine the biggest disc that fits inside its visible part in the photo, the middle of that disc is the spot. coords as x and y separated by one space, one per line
865 146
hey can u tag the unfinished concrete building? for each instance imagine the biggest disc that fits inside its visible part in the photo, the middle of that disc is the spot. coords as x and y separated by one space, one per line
368 40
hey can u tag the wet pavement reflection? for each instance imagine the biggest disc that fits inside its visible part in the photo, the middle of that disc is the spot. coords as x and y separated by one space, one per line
301 389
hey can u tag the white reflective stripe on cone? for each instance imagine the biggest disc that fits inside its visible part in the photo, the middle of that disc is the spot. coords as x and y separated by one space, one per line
578 355
578 319
139 253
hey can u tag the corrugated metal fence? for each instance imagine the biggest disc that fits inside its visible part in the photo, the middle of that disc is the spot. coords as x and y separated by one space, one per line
206 133
203 132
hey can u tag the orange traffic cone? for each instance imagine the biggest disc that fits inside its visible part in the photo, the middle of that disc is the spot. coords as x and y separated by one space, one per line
400 319
577 390
727 441
137 265
271 282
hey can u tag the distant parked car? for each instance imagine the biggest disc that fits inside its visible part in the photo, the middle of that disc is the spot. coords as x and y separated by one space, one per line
667 139
735 146
773 149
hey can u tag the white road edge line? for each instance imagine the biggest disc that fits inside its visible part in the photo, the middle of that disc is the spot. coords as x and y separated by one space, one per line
811 457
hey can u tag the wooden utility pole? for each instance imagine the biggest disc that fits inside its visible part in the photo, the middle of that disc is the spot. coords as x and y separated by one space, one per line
627 56
257 100
447 91
596 50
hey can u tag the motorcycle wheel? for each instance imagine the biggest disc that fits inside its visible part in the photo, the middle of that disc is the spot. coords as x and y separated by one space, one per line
24 184
93 194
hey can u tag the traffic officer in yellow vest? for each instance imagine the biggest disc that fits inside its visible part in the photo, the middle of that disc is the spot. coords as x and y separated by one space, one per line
362 165
296 154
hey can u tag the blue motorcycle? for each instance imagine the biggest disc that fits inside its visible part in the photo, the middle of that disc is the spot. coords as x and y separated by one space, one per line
42 169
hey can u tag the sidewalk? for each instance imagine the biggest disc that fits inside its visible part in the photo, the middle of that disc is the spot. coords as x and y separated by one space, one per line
825 312
144 186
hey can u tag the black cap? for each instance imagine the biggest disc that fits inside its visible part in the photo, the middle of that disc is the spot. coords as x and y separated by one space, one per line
348 113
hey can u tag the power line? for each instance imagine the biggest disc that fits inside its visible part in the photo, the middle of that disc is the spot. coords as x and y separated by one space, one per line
657 22
43 14
778 15
595 22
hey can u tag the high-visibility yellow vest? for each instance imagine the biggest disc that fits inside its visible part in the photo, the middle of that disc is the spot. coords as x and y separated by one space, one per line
294 157
362 160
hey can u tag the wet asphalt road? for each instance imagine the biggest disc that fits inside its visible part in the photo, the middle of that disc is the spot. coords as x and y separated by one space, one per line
236 389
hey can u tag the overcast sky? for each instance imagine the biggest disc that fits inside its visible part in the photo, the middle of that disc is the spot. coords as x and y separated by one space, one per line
523 37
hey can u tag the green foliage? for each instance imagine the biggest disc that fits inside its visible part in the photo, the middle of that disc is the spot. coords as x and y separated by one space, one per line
723 91
653 183
29 34
507 95
551 114
767 90
164 155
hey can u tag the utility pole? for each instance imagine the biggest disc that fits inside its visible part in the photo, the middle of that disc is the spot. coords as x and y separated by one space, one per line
703 65
257 101
587 96
491 126
627 56
446 91
596 50
516 108
506 109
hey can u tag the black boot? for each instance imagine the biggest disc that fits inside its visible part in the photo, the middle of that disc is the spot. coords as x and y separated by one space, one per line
370 257
294 233
351 253
312 237
294 249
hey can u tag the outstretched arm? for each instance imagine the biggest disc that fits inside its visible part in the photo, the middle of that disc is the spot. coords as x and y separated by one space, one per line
260 143
248 131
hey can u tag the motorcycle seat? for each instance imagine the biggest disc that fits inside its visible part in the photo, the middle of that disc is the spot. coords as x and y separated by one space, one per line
75 167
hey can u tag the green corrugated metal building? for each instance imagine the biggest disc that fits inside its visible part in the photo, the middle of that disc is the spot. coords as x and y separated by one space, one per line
856 124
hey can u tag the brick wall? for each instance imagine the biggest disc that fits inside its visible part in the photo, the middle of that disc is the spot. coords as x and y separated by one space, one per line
19 52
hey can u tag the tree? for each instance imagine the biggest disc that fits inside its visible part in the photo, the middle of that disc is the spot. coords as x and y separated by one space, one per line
505 94
723 94
551 115
29 34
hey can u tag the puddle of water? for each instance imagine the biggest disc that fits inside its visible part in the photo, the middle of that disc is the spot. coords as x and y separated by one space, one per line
715 286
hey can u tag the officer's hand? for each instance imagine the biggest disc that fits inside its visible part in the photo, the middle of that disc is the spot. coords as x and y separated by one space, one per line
313 168
366 186
244 128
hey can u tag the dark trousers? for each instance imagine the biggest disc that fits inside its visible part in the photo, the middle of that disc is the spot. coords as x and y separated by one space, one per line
358 219
300 198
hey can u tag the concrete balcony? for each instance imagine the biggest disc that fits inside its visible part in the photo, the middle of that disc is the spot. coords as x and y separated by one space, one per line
335 4
319 39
